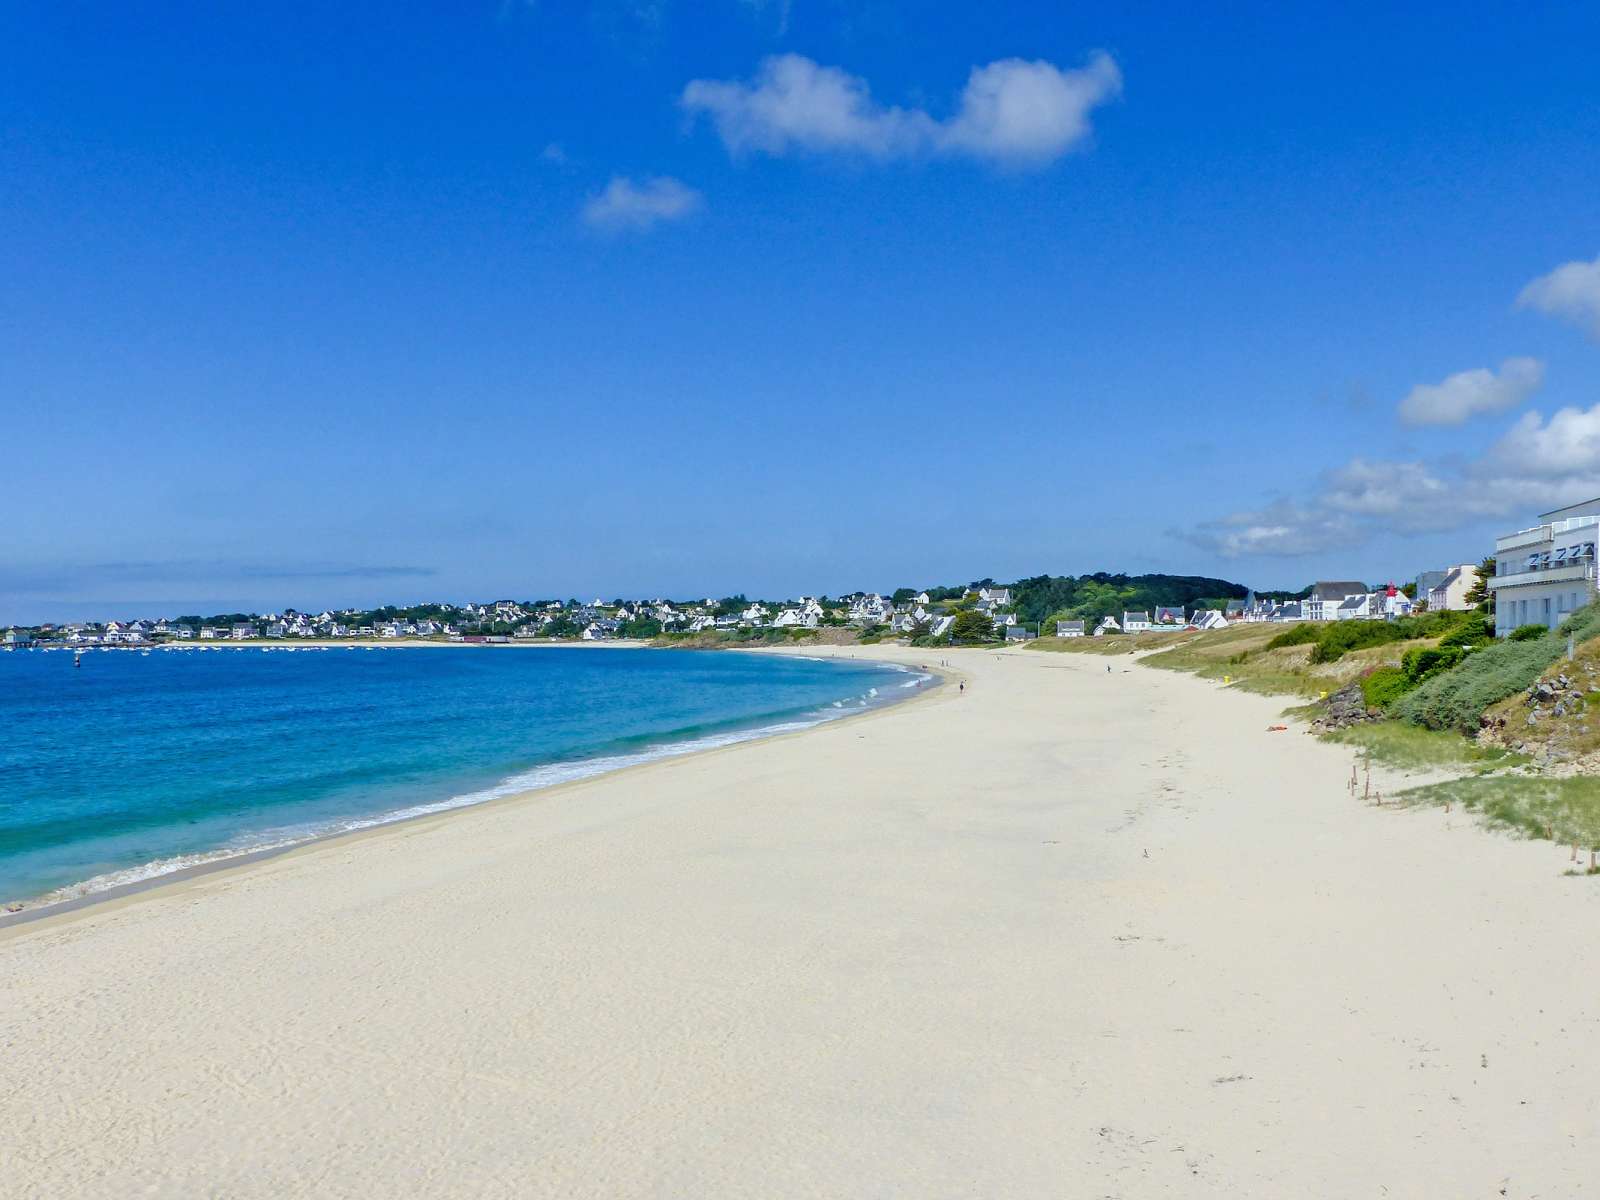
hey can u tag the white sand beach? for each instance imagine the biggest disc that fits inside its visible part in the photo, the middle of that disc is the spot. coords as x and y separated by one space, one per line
1070 933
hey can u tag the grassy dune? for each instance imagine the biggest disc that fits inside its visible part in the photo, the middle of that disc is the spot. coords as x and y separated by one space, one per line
1565 811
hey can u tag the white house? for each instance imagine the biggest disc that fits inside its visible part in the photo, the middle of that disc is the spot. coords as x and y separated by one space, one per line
1107 625
942 625
870 609
1326 597
996 597
243 630
1135 622
1065 629
1207 618
1354 608
1544 573
16 637
1450 592
795 618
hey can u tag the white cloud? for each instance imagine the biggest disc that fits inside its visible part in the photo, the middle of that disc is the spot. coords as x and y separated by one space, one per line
1281 530
1535 466
1019 111
640 206
1571 291
1471 393
1012 111
1563 452
553 153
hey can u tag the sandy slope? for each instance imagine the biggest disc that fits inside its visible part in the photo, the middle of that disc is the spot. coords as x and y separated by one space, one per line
1074 933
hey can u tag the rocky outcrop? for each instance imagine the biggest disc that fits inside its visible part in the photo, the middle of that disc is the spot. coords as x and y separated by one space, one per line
1345 708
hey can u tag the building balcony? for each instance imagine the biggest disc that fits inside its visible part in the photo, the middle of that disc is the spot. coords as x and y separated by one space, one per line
1546 575
1523 537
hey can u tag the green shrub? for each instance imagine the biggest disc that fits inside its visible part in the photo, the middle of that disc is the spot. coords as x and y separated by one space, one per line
1300 635
1343 636
1420 662
1475 630
1456 699
1526 633
1383 686
1340 637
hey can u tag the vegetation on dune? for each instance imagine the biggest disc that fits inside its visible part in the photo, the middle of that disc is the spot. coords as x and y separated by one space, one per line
1566 811
1457 698
1113 644
1332 640
1382 687
1411 747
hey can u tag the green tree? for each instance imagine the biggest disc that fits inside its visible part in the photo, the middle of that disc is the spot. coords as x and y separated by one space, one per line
1479 595
970 625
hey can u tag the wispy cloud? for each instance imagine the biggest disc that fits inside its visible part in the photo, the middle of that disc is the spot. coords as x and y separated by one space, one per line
1282 529
626 205
1468 394
1571 292
1536 465
1012 111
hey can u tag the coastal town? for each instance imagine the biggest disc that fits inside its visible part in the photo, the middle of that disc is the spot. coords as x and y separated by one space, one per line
1540 574
905 614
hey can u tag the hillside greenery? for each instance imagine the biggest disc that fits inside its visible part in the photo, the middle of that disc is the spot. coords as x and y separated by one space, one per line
1092 597
1332 640
1456 698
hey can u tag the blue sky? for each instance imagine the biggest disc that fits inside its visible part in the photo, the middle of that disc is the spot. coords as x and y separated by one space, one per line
325 305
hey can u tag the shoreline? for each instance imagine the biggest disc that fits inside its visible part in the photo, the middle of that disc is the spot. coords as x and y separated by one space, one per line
33 910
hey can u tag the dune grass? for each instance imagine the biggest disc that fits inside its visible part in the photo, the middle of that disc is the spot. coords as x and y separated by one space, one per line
1246 657
1565 811
1112 644
1412 748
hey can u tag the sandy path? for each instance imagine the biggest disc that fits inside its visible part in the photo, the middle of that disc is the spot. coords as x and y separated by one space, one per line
1074 933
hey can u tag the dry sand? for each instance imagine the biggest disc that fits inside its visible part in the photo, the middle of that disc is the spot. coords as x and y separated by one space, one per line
1073 933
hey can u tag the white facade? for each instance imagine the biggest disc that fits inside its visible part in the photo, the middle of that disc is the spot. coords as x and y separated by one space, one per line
1545 573
1451 593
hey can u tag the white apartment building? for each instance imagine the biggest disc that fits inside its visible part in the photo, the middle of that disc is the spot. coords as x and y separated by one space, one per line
1544 573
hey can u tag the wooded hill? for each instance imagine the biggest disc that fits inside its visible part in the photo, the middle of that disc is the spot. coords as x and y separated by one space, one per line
1091 597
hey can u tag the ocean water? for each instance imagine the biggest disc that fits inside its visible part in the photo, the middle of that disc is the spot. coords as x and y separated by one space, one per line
134 764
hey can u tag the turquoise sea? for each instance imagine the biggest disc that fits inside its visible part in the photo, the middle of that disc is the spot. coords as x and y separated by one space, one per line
136 764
